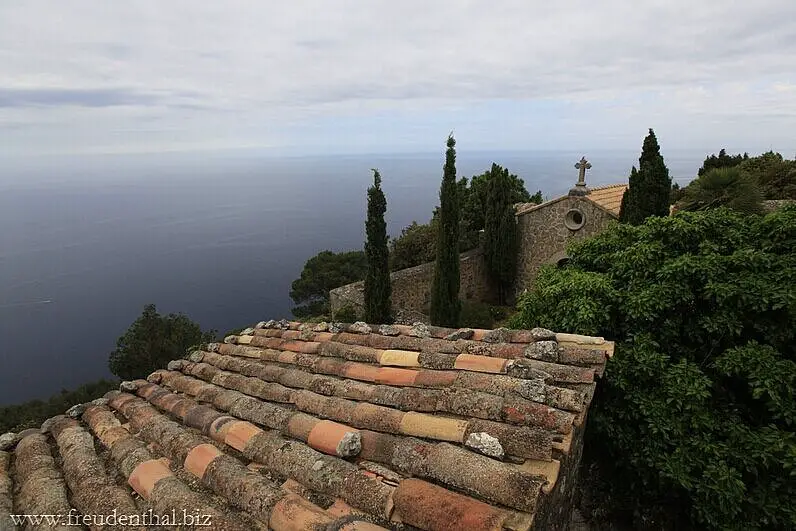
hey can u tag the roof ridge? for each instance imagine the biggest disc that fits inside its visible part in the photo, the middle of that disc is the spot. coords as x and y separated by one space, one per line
606 186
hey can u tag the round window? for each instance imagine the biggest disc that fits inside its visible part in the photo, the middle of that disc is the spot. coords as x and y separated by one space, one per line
574 219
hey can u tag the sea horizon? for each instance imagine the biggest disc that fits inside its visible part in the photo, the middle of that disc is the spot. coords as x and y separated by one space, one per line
90 240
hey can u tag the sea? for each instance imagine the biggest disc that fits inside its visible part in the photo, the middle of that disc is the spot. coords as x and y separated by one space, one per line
87 241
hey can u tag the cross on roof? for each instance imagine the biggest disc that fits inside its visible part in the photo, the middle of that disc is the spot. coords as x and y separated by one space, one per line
582 165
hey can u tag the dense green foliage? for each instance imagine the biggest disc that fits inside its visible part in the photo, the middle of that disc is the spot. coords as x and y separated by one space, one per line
31 414
445 304
416 245
475 198
152 341
649 187
501 235
377 279
693 424
346 314
477 314
723 160
676 193
775 175
729 186
322 273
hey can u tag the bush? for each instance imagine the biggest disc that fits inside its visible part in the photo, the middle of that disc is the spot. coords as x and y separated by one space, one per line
31 414
694 420
730 187
322 273
416 245
476 315
152 341
346 314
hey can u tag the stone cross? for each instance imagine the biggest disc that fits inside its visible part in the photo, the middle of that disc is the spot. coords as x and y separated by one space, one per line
582 165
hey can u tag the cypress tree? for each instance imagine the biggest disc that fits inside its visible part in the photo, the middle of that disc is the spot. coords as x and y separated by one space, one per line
500 233
649 188
445 304
377 279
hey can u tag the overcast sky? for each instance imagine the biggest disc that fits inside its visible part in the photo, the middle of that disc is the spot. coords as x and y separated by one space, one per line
321 76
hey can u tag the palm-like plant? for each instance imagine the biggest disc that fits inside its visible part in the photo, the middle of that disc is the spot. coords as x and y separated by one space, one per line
727 187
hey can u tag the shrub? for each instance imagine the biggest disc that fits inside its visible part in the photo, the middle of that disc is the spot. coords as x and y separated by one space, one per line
346 314
324 272
730 187
694 420
477 315
152 341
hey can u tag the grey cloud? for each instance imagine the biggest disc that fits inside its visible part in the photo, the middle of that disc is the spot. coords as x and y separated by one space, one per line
241 64
97 97
49 97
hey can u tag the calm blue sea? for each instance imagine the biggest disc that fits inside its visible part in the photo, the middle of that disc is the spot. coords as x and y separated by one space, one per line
87 242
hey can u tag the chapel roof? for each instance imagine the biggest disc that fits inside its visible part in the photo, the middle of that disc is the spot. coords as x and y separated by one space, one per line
316 426
608 197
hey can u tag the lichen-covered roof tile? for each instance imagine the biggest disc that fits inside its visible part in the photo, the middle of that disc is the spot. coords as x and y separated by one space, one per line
374 426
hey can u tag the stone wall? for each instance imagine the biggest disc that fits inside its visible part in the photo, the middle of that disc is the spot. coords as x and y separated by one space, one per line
770 205
554 510
411 288
544 235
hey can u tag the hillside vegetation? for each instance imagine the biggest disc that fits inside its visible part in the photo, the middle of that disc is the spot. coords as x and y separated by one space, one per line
693 425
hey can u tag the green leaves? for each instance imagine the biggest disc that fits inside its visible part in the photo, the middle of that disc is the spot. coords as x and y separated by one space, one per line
152 341
729 187
695 415
445 304
322 273
649 187
501 236
378 290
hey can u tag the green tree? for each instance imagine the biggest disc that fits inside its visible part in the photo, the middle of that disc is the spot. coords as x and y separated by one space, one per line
536 198
649 187
475 197
721 161
152 341
324 272
377 279
416 245
445 304
501 237
726 186
693 423
775 175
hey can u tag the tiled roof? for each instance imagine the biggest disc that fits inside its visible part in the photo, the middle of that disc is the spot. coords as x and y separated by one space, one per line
608 197
348 427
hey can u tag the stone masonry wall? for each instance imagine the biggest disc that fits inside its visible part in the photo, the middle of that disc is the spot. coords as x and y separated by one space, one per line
411 288
544 235
554 510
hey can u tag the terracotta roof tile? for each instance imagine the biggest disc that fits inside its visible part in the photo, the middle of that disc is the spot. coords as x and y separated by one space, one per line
291 426
6 491
608 197
428 506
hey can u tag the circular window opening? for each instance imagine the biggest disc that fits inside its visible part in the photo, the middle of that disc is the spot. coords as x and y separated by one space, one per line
574 219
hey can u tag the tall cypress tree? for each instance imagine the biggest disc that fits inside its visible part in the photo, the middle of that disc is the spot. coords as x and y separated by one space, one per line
649 188
445 304
377 279
500 233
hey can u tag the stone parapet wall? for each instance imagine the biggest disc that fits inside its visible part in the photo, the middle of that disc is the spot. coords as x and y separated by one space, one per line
411 288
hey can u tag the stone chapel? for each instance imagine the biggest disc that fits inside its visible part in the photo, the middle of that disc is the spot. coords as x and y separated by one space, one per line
545 231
